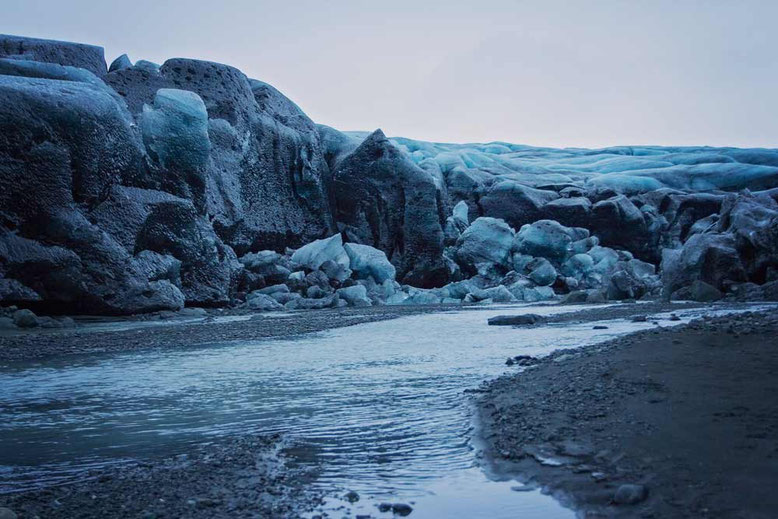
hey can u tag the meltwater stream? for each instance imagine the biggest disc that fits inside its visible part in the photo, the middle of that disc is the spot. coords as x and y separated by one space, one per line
380 404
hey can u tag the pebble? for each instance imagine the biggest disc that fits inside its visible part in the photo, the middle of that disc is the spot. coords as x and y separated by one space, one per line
351 497
630 494
402 509
599 327
384 507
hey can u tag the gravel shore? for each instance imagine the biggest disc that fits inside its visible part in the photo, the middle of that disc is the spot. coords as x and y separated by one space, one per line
171 330
174 331
246 477
669 422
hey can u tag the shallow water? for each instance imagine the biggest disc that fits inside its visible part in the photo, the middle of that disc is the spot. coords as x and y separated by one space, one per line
381 404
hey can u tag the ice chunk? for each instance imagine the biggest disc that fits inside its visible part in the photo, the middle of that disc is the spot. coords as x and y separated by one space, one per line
487 240
369 261
314 254
262 302
548 239
542 272
175 129
461 215
355 295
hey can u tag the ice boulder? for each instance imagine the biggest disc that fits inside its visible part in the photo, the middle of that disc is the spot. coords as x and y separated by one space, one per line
355 295
421 297
534 294
542 272
147 66
317 252
498 294
548 239
308 303
712 258
175 133
461 216
487 240
262 302
369 261
577 266
515 203
604 258
89 57
569 211
121 63
335 271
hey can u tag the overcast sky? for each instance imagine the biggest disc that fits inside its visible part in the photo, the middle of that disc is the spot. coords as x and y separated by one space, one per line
576 73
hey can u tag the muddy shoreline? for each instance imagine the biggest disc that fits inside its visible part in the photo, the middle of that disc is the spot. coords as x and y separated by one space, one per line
686 417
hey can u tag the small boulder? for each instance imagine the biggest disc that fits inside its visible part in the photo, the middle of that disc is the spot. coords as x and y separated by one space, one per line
25 318
262 302
630 494
273 289
307 303
516 320
315 292
704 292
402 509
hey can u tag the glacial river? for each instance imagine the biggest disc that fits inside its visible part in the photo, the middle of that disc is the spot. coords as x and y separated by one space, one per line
380 405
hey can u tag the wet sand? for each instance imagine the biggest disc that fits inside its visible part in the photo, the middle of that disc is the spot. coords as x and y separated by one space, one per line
690 414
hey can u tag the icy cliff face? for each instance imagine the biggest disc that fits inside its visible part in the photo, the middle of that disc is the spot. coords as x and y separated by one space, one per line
142 187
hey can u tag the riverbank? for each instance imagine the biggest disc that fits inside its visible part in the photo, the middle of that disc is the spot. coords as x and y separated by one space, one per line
171 330
247 477
669 422
189 328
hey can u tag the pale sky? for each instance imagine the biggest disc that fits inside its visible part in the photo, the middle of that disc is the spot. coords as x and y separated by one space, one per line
555 73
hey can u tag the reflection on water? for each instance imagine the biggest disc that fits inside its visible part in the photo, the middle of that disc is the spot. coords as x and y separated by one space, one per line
381 404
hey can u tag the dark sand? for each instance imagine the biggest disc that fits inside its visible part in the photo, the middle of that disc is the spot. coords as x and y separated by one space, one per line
691 413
